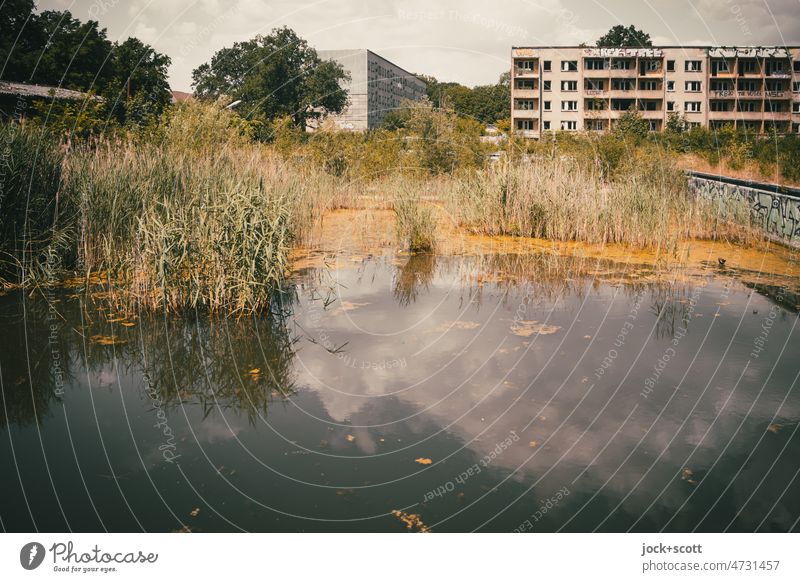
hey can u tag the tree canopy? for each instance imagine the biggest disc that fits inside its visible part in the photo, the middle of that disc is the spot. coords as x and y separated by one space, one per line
53 48
484 103
274 76
620 35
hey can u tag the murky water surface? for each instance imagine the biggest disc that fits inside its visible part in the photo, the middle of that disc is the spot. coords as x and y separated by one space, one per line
390 393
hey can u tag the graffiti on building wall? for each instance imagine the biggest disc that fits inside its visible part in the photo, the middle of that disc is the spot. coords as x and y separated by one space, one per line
775 52
777 214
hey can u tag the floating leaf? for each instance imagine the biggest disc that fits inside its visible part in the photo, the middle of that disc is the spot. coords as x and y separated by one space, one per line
195 512
127 324
107 340
529 328
423 461
412 520
350 438
774 428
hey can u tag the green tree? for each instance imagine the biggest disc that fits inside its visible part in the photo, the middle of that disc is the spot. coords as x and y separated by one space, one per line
631 125
70 53
16 51
274 76
676 123
625 36
139 90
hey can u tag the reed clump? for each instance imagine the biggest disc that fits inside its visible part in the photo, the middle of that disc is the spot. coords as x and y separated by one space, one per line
415 217
196 218
561 199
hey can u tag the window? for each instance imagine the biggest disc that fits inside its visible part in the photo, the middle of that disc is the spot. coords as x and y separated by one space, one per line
546 85
775 68
546 125
748 67
796 87
569 125
524 104
546 65
596 64
670 106
651 66
621 85
748 86
525 84
595 105
526 66
621 65
721 86
525 124
720 106
671 66
720 67
547 106
569 66
569 85
774 106
648 85
593 124
796 107
796 128
693 86
692 106
569 106
595 85
797 66
747 106
649 105
670 85
693 66
653 125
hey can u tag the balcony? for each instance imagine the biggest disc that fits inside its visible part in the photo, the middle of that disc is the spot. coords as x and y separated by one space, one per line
723 94
526 113
525 93
777 115
650 94
595 93
525 73
623 73
657 114
733 115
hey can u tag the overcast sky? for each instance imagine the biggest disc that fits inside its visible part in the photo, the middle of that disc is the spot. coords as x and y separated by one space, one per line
454 40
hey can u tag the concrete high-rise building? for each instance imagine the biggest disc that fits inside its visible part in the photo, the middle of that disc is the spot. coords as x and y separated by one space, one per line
589 88
376 87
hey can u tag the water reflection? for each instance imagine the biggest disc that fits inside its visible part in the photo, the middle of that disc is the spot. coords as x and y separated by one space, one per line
382 381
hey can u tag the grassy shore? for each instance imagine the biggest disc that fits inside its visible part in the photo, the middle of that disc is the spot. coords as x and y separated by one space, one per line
195 215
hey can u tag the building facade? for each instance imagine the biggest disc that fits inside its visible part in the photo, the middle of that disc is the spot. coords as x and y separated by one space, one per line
376 87
589 88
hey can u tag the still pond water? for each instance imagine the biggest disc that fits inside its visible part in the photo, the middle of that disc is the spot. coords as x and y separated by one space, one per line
392 393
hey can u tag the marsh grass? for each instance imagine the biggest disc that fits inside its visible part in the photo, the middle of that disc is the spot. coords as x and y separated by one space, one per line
415 218
560 199
34 223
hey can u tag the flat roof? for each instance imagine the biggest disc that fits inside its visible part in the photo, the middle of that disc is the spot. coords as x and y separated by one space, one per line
667 46
355 51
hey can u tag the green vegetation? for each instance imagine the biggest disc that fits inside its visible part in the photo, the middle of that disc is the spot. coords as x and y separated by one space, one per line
274 76
415 219
629 36
646 204
484 103
53 48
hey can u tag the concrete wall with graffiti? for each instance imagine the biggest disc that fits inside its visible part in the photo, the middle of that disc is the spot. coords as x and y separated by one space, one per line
777 213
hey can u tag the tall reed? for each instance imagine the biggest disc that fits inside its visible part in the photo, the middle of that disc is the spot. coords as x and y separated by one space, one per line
563 200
